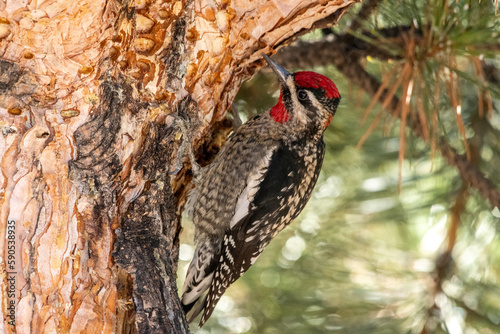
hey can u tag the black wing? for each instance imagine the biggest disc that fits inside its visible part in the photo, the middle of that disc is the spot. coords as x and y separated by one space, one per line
283 193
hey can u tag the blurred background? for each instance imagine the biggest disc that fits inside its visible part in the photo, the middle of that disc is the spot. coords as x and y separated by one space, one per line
396 238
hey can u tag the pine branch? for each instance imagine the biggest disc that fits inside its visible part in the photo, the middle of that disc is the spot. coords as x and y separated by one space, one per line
470 173
316 54
319 53
366 10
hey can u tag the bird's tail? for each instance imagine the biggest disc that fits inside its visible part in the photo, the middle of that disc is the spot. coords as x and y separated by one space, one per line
193 309
199 279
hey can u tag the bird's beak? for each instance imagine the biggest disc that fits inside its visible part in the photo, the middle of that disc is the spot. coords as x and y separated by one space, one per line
280 71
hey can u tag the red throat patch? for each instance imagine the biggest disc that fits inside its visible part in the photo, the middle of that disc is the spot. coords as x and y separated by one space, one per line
314 80
279 113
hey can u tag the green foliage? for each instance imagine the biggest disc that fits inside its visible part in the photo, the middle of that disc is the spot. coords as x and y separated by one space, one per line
363 258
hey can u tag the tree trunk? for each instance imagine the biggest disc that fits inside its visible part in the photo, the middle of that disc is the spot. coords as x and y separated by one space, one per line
89 217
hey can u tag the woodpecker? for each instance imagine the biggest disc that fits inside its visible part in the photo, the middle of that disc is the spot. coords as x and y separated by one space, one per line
257 185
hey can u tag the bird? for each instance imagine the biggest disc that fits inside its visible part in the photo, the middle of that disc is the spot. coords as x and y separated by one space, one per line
257 185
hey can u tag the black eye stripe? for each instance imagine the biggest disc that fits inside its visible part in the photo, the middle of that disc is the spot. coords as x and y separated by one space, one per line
318 93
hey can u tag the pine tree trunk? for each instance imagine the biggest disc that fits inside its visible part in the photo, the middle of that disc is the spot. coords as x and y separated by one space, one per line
89 217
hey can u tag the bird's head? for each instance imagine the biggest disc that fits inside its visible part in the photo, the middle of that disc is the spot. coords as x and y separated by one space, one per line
306 97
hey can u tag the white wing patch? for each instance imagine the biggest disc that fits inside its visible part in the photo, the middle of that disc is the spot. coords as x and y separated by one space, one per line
247 195
242 207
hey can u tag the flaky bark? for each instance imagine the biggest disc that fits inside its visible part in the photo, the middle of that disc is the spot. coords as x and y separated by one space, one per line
85 92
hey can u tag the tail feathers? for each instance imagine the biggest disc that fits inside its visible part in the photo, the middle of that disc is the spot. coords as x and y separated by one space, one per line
205 303
198 280
194 298
193 309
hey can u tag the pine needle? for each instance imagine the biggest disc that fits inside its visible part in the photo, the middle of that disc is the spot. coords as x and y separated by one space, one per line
405 109
483 94
480 92
489 103
392 91
372 126
454 92
386 78
437 90
422 118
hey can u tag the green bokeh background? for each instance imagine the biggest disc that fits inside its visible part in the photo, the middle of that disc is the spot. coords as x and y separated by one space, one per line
361 256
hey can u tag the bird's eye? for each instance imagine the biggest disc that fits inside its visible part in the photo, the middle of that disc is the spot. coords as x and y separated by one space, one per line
302 95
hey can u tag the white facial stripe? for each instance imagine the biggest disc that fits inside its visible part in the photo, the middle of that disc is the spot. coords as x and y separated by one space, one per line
319 107
300 112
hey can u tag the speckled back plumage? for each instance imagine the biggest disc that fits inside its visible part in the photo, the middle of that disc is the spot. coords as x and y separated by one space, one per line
259 182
